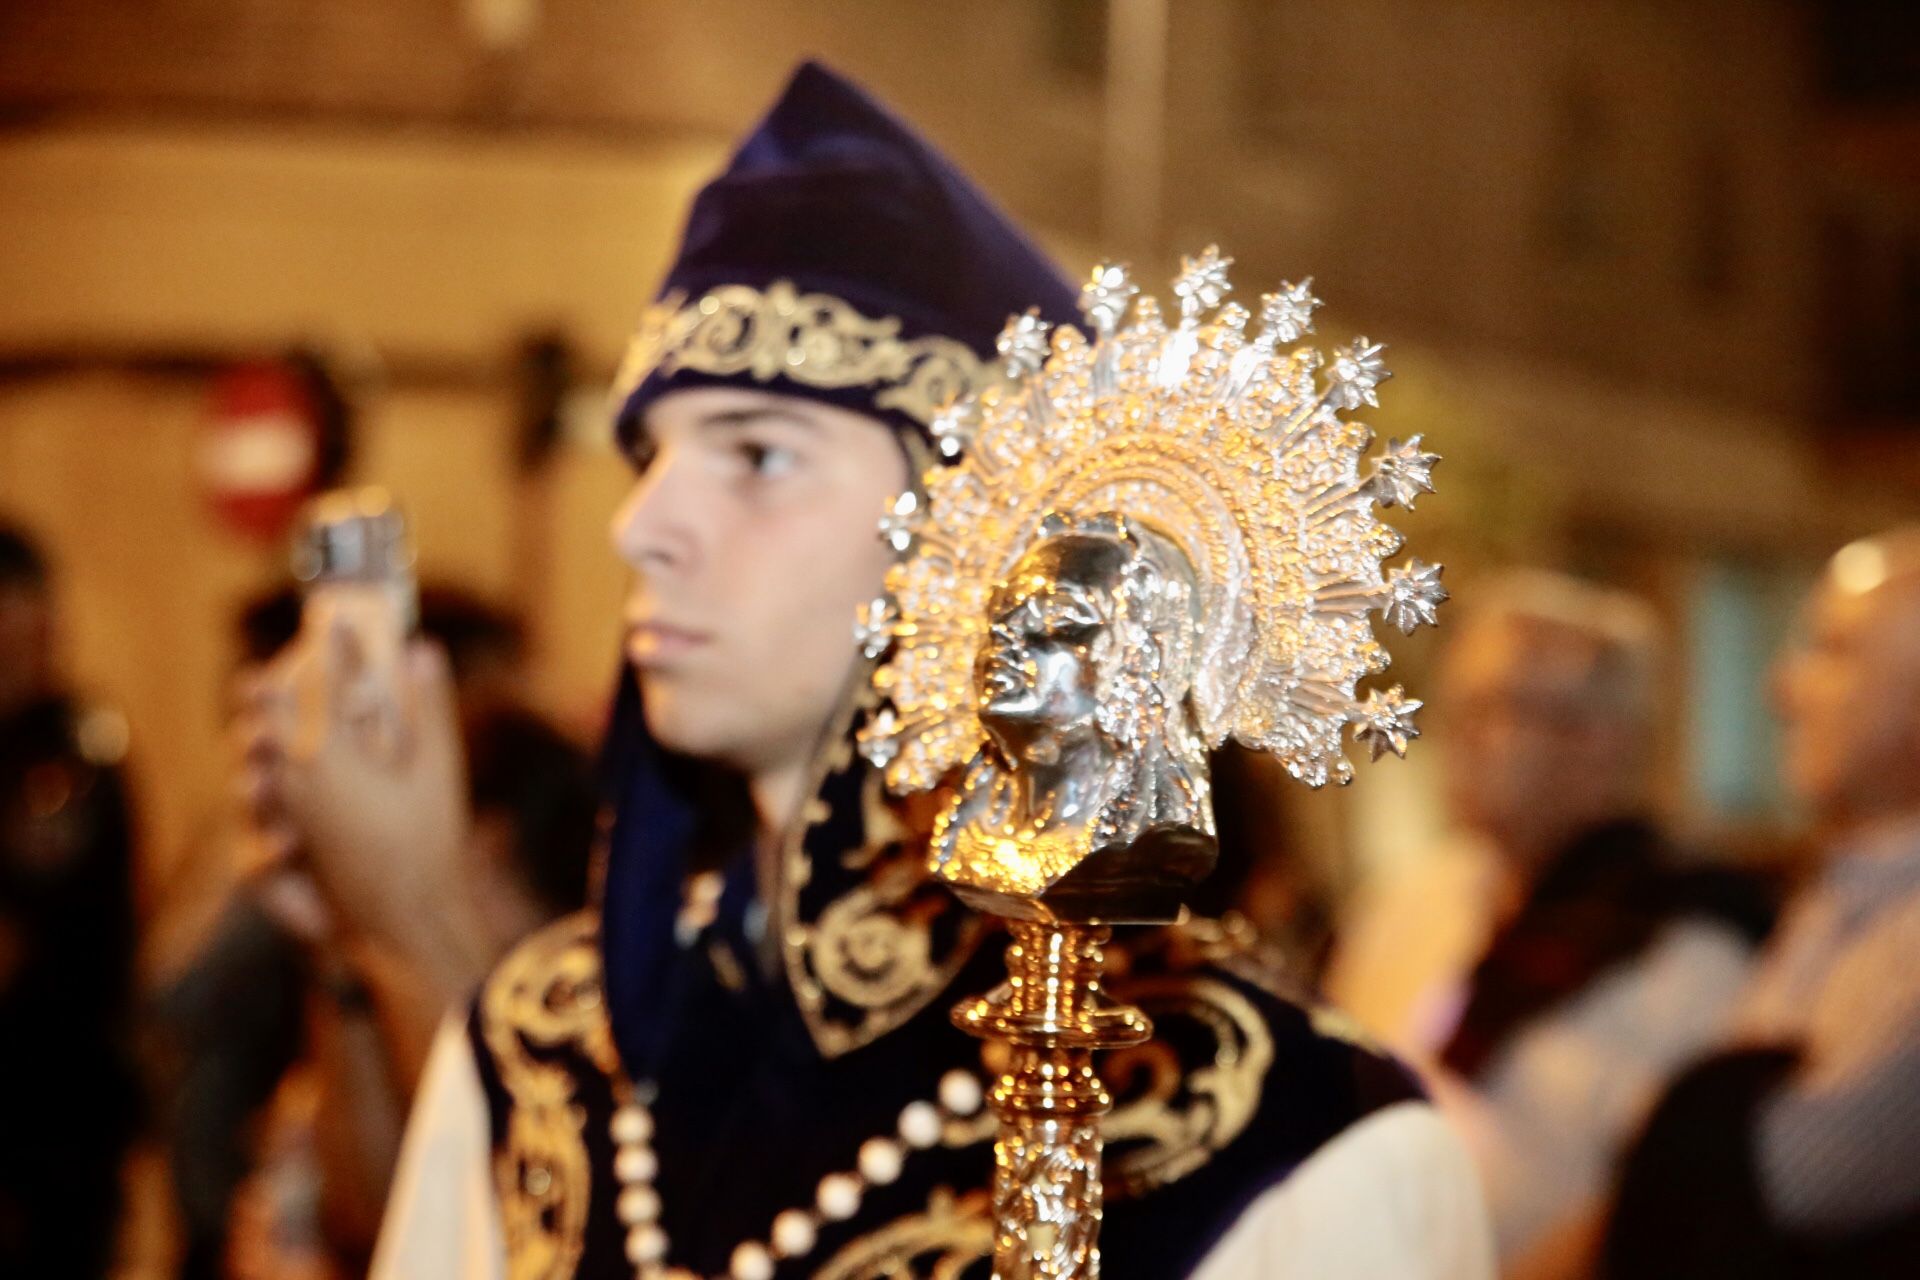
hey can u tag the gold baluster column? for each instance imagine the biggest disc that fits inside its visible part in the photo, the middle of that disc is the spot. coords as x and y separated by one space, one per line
1052 1015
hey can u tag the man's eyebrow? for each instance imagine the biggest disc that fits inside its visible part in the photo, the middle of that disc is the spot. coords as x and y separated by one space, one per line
732 419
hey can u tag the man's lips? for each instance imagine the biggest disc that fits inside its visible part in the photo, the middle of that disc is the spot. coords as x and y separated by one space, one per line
656 642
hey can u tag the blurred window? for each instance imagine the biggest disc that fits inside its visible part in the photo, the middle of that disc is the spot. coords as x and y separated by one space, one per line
1738 615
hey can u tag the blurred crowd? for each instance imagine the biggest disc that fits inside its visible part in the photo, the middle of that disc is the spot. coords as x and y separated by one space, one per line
1656 1053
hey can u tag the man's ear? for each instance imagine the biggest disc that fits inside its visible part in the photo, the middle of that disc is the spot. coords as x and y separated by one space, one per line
490 841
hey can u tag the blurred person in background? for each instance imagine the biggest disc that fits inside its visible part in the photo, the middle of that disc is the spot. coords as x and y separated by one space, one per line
229 994
68 1098
297 1044
1555 963
1797 1151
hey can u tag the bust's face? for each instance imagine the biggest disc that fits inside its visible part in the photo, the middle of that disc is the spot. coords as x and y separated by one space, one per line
1045 665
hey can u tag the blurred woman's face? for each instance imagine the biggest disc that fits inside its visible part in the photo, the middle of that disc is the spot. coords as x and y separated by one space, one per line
751 530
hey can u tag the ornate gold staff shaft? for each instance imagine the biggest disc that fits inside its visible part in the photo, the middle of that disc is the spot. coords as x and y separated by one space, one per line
1052 1014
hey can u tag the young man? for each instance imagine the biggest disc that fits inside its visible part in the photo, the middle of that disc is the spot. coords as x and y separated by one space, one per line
743 1065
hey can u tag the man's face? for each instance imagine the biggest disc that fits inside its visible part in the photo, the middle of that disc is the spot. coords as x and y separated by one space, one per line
25 644
1531 758
1849 698
752 534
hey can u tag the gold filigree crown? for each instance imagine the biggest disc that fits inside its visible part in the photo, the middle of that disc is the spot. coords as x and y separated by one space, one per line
813 339
1231 444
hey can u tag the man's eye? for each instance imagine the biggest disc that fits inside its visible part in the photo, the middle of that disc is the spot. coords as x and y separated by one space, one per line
640 451
768 460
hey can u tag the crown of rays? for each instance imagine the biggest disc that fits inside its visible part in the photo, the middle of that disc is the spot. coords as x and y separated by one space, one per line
1237 446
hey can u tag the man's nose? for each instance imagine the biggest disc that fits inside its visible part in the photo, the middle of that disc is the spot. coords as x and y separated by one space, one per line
649 531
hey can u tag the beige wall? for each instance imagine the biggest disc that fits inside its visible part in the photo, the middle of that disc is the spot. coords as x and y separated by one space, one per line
427 247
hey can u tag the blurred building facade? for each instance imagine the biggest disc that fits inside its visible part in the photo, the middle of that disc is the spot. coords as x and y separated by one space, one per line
1649 271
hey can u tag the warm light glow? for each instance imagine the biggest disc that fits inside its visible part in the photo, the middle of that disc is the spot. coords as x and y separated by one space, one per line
1859 567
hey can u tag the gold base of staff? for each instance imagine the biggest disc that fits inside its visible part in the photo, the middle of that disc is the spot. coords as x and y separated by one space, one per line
1052 1015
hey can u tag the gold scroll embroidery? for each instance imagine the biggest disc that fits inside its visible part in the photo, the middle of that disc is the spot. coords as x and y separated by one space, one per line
545 998
814 339
939 1244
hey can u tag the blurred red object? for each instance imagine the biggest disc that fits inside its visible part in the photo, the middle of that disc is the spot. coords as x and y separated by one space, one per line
258 458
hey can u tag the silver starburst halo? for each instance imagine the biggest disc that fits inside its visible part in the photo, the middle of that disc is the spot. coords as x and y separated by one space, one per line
1239 452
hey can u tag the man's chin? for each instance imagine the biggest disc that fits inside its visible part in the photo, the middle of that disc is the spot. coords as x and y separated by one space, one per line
677 724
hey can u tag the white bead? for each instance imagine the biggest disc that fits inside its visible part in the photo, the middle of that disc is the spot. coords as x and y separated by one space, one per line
960 1093
635 1164
751 1261
637 1205
880 1161
839 1196
646 1244
631 1126
793 1233
920 1125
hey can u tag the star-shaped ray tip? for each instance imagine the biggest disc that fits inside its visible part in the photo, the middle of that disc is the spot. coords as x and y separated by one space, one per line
1403 473
902 521
1023 343
952 429
873 626
1202 283
1288 314
1355 372
1105 297
1384 722
879 739
1414 594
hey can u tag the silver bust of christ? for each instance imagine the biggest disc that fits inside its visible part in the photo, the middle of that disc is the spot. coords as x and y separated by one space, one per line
1089 797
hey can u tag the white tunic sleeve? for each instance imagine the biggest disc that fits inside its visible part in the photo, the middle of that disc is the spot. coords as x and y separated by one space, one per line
442 1221
1395 1195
